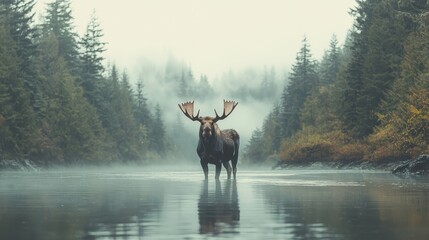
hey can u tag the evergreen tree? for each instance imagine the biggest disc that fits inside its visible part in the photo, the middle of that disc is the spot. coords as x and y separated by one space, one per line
157 133
18 17
130 146
253 151
203 89
59 21
109 110
376 54
271 138
330 63
142 112
318 111
183 86
142 116
17 120
70 128
182 141
303 80
92 62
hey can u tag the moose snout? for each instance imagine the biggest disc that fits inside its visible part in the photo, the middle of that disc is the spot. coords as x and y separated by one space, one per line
207 132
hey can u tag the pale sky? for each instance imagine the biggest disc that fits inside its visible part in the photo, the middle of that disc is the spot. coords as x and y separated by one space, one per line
213 36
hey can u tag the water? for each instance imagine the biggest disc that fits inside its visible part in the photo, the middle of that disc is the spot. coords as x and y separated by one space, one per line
140 204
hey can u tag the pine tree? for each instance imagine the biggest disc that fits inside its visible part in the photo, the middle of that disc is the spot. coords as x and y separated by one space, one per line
303 80
271 138
109 110
92 61
17 121
71 130
142 112
18 17
157 133
330 63
183 86
376 54
253 151
129 144
59 21
203 89
319 112
143 116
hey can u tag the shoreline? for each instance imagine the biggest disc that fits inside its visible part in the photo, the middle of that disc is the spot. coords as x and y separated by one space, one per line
418 166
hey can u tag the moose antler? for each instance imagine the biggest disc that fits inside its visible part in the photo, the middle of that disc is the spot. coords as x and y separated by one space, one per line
188 109
228 107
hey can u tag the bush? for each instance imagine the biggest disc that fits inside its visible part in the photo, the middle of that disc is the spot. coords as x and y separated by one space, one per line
308 146
404 132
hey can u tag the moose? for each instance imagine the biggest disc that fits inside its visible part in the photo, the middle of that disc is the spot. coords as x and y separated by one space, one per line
215 146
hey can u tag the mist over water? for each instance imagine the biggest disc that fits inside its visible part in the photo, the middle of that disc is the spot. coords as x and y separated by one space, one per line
249 114
173 203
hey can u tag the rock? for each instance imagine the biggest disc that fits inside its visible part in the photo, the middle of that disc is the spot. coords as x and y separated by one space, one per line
18 165
417 166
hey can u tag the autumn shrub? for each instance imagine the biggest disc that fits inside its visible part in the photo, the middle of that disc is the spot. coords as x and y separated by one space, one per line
309 146
404 132
351 151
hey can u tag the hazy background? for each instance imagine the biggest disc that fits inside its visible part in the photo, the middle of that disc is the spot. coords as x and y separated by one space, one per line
215 38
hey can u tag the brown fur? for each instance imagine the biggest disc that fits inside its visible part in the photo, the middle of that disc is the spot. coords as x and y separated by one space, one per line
215 146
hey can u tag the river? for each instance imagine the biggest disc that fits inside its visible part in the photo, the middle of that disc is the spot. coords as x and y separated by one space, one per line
138 203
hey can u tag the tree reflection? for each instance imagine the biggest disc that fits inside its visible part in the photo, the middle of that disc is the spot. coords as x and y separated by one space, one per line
81 208
218 209
375 211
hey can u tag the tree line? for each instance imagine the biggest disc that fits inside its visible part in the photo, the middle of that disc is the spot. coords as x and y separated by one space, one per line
366 100
58 102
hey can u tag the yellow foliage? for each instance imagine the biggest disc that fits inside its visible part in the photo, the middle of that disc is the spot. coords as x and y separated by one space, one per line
309 146
404 132
413 110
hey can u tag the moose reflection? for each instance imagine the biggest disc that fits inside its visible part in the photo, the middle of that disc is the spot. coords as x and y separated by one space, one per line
218 209
215 146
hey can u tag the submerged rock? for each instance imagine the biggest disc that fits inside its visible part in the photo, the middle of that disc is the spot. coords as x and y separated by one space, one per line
416 166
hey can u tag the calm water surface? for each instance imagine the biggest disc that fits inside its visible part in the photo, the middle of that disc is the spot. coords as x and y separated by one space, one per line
140 204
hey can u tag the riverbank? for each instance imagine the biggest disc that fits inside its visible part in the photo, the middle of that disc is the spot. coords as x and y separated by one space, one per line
19 165
418 166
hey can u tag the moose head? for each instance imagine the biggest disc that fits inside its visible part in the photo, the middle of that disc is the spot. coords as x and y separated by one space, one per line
215 146
208 127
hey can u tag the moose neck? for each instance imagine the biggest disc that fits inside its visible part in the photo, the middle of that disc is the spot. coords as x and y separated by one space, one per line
209 141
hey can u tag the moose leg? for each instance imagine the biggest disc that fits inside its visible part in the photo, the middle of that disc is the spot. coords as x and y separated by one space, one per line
205 167
234 169
218 169
234 165
228 169
235 158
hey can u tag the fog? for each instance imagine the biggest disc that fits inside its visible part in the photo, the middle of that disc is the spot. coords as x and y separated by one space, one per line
232 44
248 115
214 36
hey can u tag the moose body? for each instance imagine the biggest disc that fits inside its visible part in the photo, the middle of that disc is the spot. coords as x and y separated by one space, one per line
215 146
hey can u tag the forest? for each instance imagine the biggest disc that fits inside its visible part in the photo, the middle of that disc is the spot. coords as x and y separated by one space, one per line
61 103
366 100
